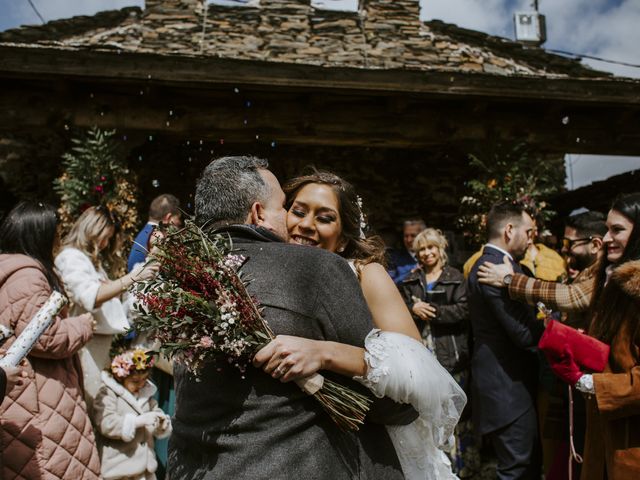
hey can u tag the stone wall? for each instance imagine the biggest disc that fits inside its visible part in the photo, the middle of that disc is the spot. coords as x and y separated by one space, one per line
384 34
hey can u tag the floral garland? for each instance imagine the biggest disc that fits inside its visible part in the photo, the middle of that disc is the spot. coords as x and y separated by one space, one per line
95 173
130 361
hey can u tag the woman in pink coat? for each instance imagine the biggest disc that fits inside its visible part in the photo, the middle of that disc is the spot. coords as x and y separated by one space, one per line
45 431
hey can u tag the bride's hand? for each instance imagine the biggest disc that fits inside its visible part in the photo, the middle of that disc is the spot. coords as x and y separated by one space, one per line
290 358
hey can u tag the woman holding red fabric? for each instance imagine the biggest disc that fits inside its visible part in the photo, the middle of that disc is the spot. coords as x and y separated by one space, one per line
612 445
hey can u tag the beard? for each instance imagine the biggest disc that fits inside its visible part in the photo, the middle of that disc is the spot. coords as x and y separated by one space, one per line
518 254
581 261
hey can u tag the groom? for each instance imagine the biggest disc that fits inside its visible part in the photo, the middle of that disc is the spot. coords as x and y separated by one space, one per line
259 428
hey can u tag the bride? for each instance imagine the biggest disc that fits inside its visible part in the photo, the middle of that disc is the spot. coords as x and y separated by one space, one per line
325 212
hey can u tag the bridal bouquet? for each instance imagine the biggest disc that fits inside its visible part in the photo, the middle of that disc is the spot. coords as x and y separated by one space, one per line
199 310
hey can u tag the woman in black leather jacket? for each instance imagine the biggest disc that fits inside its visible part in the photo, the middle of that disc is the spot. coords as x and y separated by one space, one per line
437 298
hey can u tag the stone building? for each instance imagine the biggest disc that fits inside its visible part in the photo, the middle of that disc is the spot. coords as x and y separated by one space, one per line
393 103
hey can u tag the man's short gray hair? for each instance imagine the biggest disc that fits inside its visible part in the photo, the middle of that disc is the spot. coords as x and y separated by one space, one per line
227 189
414 221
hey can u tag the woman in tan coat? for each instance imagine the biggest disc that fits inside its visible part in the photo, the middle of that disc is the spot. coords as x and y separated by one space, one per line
612 444
45 430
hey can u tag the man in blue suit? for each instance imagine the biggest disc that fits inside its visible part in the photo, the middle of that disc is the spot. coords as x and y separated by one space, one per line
164 208
504 367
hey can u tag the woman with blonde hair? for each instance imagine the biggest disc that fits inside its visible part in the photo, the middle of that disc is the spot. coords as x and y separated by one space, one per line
436 295
91 244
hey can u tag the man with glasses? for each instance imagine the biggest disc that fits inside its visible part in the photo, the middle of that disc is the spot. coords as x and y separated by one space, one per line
582 246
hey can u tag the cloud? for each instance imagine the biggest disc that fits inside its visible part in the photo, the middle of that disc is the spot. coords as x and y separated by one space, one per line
602 28
492 16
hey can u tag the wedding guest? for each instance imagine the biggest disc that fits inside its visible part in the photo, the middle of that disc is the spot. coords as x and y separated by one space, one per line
436 294
165 209
45 430
503 365
403 260
543 262
128 418
583 249
539 261
92 243
612 443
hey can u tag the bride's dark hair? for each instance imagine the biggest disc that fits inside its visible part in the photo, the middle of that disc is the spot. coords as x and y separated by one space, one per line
362 249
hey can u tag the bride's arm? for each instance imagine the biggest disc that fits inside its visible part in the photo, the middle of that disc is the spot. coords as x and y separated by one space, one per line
301 357
386 305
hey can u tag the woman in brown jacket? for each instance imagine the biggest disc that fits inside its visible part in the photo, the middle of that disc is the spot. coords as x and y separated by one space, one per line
612 444
45 430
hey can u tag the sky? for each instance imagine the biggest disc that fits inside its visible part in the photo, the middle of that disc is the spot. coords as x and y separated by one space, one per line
602 28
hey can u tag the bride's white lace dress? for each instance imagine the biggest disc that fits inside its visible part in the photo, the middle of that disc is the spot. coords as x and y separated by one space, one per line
402 369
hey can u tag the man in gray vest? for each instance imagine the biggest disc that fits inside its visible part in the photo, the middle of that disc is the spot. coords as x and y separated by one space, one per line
259 428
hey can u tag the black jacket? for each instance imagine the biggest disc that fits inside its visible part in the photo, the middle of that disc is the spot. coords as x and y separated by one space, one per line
450 327
504 364
258 428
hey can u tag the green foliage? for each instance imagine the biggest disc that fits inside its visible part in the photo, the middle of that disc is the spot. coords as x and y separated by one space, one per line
96 173
505 174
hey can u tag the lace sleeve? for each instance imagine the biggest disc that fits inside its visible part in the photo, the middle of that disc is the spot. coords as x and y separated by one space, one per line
402 369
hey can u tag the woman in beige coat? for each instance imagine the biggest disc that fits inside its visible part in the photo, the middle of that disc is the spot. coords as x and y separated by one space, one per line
45 430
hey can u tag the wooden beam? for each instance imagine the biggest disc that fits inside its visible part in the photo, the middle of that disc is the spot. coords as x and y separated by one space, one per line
317 118
21 62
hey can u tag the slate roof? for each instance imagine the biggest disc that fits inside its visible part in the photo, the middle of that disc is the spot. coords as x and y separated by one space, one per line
386 35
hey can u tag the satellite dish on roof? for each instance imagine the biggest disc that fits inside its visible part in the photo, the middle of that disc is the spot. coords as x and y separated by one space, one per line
530 27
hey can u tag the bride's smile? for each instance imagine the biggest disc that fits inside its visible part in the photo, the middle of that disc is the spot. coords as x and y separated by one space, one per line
313 218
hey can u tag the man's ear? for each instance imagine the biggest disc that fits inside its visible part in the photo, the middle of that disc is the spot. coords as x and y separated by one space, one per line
256 215
508 232
596 243
166 218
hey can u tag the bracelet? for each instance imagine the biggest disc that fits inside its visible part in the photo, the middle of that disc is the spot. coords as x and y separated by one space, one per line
123 288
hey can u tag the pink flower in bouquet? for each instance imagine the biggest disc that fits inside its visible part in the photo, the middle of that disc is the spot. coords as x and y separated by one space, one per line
206 341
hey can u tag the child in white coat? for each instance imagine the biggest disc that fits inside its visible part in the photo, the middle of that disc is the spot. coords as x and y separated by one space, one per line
128 418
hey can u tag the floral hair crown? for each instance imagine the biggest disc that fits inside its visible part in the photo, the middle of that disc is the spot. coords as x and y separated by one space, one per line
130 361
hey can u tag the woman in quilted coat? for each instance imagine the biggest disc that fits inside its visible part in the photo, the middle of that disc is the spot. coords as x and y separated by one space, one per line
45 431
